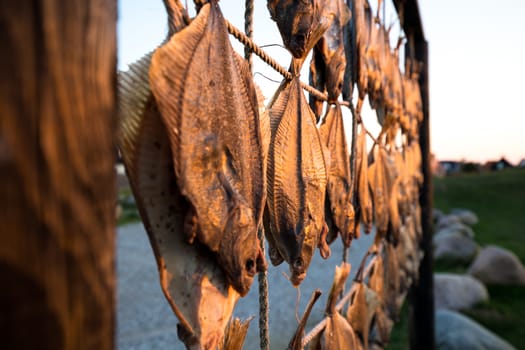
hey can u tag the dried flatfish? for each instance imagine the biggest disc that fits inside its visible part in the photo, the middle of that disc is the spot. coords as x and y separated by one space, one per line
339 190
381 324
337 334
301 23
194 285
376 279
296 183
393 211
372 56
209 106
380 330
328 57
362 308
363 192
356 42
392 282
378 185
296 343
318 80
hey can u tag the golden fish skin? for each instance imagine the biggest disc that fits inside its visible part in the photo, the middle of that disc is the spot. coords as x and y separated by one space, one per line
339 190
209 106
363 191
196 288
328 64
296 182
378 183
337 334
361 311
392 280
357 36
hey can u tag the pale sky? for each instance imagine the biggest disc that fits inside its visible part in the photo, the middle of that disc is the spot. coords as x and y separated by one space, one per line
477 67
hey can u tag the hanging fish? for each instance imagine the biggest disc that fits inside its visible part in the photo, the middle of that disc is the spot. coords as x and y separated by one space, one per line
301 23
372 57
380 330
363 191
337 334
197 289
391 276
357 37
381 325
296 183
209 106
339 188
328 63
363 305
377 180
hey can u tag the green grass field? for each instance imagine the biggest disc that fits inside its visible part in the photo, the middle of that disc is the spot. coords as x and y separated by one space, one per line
498 198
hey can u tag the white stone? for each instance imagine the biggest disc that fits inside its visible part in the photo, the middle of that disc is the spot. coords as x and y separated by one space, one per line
457 332
495 265
457 227
455 247
458 292
466 216
446 221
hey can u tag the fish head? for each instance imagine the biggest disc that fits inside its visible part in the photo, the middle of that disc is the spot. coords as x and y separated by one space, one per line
303 243
341 206
240 254
294 19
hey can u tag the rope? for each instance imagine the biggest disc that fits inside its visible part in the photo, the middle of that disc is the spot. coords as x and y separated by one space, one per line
264 309
248 29
264 334
253 47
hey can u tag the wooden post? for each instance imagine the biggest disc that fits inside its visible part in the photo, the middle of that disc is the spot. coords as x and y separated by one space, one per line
421 294
57 188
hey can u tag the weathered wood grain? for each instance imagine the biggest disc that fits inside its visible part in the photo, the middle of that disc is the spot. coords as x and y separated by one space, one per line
57 214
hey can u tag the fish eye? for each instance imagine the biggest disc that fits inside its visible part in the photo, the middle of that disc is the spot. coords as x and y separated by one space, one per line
298 263
250 267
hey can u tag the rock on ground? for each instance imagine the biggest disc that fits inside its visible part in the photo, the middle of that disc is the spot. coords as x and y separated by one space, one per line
457 332
495 265
458 292
457 227
446 221
455 247
466 216
437 214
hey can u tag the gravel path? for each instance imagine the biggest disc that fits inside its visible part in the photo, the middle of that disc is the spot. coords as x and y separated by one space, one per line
145 320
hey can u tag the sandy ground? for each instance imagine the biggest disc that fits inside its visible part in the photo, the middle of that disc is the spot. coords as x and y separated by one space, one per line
145 320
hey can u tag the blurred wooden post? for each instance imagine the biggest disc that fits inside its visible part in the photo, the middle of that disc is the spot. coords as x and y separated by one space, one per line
421 295
57 188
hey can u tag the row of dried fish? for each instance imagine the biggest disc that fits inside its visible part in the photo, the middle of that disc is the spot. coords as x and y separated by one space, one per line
205 162
375 300
376 72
